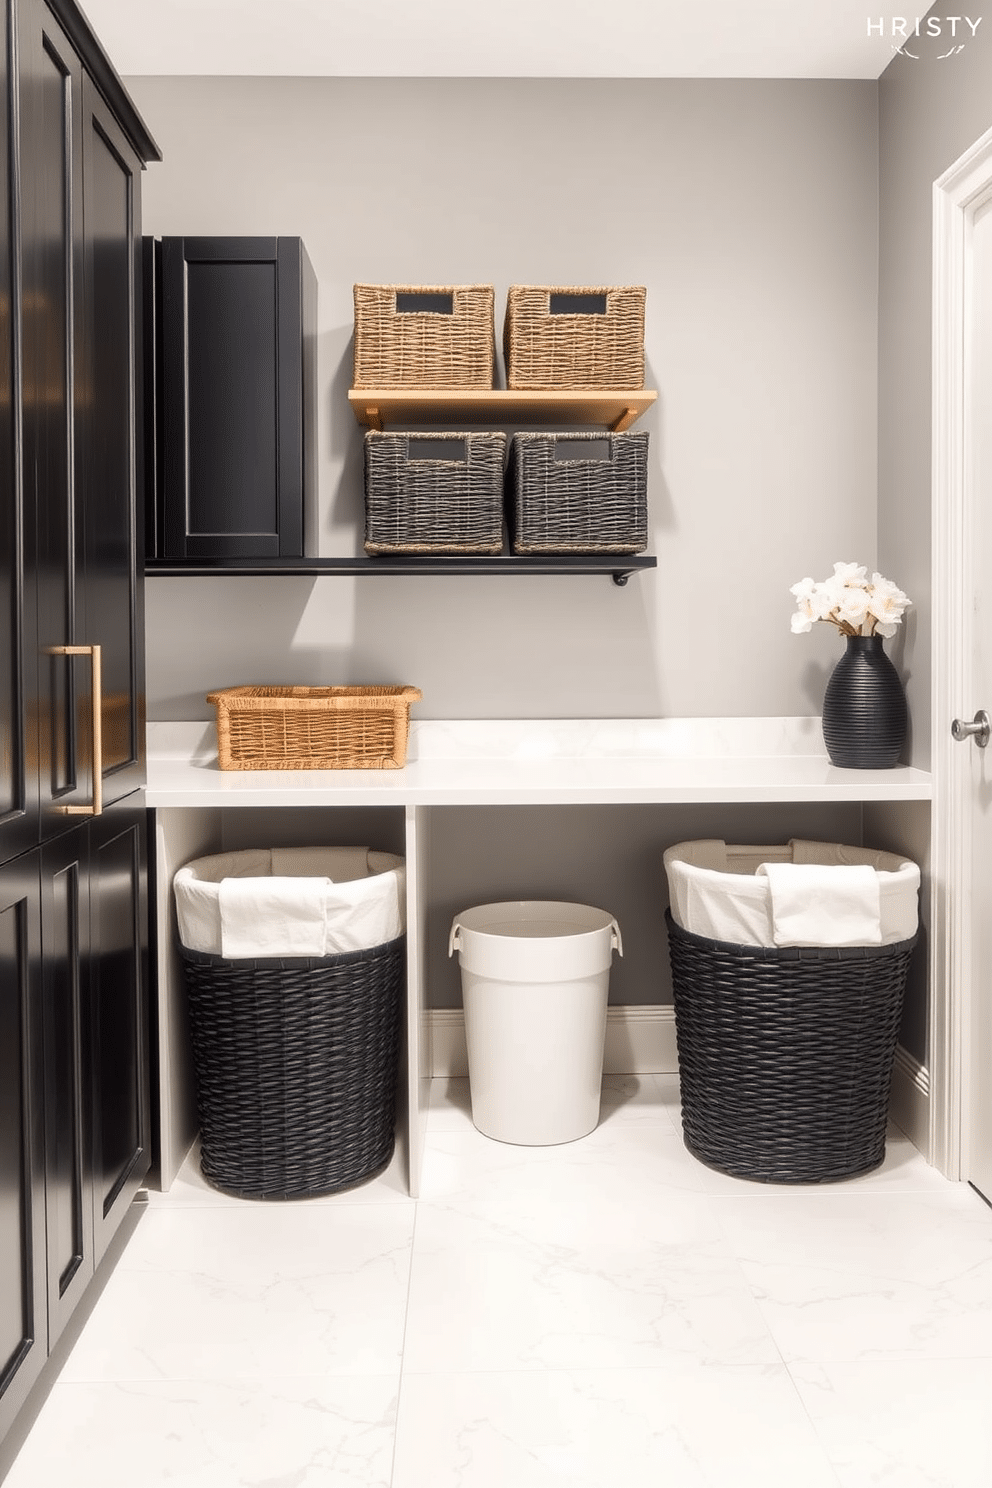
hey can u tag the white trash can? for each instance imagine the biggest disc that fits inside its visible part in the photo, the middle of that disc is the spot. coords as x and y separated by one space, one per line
535 984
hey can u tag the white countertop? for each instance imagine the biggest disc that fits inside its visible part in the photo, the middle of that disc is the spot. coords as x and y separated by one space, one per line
535 761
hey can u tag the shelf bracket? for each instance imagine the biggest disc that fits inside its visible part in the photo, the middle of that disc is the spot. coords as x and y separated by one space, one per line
621 576
373 418
624 421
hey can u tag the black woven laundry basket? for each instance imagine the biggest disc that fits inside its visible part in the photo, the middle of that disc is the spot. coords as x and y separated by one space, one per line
296 1066
786 1054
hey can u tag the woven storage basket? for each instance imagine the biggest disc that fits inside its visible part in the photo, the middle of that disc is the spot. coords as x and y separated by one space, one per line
434 493
313 728
296 1067
786 1054
438 336
574 337
564 497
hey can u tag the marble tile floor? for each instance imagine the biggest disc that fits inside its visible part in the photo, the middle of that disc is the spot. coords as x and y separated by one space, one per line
604 1314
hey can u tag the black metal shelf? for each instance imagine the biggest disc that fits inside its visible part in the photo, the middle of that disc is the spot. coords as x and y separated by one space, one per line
618 565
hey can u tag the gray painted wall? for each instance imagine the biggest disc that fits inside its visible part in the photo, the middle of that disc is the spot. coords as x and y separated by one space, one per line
931 108
749 209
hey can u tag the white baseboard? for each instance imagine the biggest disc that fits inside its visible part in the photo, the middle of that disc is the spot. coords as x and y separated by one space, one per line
909 1104
639 1040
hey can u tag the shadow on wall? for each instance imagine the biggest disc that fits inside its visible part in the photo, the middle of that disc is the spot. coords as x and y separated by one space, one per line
207 633
606 856
478 646
500 645
342 509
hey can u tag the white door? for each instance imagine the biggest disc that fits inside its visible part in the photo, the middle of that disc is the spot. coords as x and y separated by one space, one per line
960 1033
972 733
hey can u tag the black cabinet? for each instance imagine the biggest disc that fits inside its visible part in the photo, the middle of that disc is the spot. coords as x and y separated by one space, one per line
74 1098
233 323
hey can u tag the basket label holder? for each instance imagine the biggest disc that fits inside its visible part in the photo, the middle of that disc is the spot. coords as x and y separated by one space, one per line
582 303
574 451
425 302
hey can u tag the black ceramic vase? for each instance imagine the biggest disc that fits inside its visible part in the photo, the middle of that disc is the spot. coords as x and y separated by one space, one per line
864 708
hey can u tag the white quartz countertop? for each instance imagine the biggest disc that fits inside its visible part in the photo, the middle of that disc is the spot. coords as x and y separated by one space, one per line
531 761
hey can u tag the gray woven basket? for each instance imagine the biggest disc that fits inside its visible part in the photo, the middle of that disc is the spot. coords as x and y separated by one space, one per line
437 336
578 493
434 493
560 337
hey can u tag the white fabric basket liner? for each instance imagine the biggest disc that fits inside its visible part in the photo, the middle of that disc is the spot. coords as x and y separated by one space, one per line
291 901
723 893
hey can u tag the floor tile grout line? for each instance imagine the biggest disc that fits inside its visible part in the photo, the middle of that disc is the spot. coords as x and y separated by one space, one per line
403 1340
817 1433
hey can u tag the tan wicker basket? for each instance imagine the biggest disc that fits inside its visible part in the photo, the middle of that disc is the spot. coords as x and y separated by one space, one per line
582 337
437 336
313 728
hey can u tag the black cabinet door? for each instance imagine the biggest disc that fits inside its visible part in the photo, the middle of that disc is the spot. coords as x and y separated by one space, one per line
51 235
18 705
68 1120
236 330
108 453
23 1334
117 1013
81 287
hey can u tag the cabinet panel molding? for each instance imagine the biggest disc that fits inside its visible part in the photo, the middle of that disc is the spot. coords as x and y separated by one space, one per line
65 922
23 1325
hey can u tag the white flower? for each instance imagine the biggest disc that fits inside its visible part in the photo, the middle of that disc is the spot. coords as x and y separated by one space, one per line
853 606
887 604
814 603
849 600
849 573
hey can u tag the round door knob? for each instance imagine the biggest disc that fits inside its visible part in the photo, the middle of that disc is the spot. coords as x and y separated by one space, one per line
980 730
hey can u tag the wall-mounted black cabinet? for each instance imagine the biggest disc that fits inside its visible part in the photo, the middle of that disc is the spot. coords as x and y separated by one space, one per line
231 327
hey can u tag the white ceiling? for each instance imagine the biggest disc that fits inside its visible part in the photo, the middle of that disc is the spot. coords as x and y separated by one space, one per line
500 38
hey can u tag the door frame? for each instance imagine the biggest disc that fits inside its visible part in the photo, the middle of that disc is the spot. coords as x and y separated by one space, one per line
957 195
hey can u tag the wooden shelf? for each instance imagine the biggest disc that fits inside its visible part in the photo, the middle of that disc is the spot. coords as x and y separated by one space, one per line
619 566
614 410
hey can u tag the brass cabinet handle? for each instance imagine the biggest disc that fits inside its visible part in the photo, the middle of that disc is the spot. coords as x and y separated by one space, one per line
96 719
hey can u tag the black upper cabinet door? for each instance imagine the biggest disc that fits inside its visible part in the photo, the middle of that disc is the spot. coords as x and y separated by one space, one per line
236 331
18 704
23 1328
51 210
81 457
107 447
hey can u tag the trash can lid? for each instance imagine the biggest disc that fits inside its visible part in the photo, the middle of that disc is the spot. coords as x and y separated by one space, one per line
534 919
540 939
